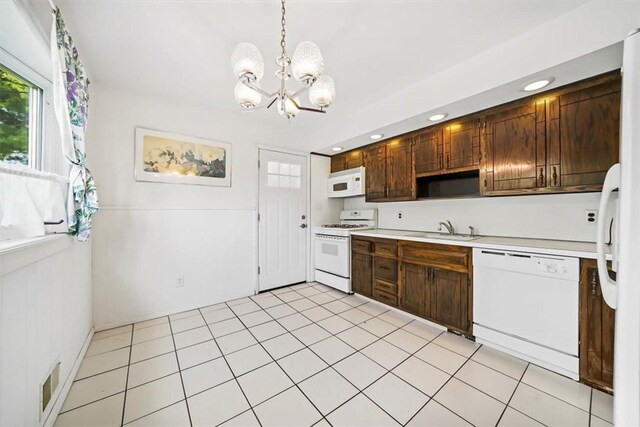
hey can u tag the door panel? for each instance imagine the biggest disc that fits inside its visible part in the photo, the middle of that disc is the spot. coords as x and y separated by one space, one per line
282 210
362 273
354 159
449 298
338 163
376 172
589 139
415 288
517 150
400 170
429 151
462 144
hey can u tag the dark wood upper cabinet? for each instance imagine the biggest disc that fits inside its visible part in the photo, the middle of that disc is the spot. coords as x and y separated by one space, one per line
390 174
429 151
338 163
462 144
354 159
375 163
597 322
584 135
401 179
514 155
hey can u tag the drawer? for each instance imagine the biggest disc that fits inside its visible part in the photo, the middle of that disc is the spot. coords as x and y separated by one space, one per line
386 287
447 257
363 246
388 248
385 268
385 298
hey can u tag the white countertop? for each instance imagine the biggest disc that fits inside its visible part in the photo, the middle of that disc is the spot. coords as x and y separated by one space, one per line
539 246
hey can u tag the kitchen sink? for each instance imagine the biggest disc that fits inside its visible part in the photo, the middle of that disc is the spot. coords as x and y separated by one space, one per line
443 236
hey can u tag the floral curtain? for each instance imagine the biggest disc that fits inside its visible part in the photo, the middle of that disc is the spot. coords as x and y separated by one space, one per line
71 98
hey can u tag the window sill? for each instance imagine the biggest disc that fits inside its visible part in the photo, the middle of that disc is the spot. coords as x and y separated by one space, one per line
15 254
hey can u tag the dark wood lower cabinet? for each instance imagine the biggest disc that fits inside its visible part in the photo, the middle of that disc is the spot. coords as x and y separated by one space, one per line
597 322
449 298
432 281
362 273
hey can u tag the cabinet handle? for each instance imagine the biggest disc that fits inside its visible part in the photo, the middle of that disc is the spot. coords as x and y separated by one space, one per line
448 161
594 282
485 182
555 176
541 179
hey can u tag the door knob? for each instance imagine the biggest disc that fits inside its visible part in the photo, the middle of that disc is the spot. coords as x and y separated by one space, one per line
303 225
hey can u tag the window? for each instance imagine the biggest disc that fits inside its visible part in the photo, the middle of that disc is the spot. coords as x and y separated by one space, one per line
20 120
283 175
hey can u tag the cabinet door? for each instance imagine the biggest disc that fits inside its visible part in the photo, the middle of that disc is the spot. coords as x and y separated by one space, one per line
375 172
414 290
362 273
338 163
449 298
462 144
596 330
401 181
584 135
429 151
515 151
353 159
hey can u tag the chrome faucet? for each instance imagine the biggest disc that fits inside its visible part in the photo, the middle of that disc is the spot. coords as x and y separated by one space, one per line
446 225
472 231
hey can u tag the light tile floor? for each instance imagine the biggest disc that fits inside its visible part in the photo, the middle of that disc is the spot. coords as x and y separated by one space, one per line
309 355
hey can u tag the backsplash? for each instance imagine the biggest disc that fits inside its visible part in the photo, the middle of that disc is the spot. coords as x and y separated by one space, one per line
557 216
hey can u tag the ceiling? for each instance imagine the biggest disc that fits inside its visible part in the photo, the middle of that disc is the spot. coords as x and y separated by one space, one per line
373 49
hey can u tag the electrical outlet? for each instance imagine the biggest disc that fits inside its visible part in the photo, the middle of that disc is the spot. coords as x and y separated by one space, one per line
399 214
591 216
180 282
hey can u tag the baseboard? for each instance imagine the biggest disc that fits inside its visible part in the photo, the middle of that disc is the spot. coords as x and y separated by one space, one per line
68 382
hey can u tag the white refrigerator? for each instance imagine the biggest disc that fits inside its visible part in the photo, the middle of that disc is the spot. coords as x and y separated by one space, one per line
623 293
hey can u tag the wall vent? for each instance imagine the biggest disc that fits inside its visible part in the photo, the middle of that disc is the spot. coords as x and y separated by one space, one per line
48 387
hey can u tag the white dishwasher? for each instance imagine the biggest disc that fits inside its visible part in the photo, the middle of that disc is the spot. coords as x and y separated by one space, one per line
527 305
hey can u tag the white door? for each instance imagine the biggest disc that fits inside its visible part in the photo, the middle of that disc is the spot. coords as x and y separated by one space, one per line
282 219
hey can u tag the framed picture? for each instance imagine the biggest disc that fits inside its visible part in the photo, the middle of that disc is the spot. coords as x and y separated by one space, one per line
179 159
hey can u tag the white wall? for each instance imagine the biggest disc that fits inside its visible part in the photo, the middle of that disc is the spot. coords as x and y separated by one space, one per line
558 216
45 314
147 235
323 210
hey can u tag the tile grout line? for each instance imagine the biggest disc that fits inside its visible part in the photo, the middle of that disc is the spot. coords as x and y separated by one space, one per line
513 394
295 384
175 353
126 383
235 378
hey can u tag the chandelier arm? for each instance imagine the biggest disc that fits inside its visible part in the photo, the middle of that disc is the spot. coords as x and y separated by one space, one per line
300 91
254 87
272 102
313 110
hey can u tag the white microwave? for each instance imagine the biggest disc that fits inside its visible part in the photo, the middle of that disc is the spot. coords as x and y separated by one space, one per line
347 183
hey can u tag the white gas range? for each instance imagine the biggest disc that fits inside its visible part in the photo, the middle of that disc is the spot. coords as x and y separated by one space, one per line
333 250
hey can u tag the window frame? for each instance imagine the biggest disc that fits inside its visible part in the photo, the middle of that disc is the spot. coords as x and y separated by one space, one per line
39 92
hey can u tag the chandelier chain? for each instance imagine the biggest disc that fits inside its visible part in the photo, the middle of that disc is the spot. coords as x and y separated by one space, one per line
283 32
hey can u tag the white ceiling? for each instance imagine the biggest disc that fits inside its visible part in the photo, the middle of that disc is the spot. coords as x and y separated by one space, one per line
373 49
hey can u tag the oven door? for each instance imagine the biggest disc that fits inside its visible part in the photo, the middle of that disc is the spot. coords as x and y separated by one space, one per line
332 254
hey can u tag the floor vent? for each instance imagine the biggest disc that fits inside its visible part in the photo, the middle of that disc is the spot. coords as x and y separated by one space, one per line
49 387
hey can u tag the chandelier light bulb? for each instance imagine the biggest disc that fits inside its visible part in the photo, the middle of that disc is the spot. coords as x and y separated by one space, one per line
247 97
287 109
322 92
307 63
247 59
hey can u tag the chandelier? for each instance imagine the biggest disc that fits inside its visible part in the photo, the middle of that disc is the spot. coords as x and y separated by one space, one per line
306 66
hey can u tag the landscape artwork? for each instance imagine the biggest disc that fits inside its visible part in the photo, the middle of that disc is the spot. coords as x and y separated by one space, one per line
180 159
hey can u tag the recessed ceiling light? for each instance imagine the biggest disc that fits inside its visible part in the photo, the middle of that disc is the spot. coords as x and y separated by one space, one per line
438 116
538 84
376 136
337 148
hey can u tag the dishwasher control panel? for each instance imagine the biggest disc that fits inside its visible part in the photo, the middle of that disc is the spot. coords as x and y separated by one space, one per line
551 266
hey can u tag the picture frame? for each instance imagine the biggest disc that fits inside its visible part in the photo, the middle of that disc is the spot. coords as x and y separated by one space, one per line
173 158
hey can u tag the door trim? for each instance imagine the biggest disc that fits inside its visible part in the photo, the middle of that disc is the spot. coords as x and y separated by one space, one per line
307 156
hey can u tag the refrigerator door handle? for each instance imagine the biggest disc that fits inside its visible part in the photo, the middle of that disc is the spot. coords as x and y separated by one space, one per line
608 286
